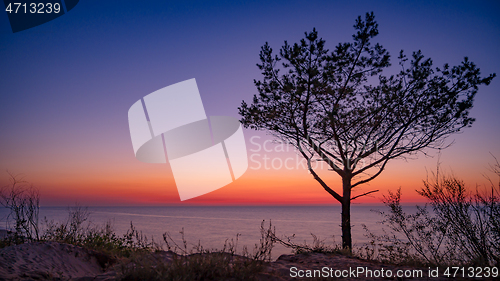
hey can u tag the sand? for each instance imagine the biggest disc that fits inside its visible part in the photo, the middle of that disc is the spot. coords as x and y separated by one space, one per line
46 261
3 233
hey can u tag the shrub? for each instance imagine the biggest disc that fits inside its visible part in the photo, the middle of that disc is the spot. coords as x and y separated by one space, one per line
197 263
78 230
462 228
22 200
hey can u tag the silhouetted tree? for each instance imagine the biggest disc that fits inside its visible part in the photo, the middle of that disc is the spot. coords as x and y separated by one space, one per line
338 107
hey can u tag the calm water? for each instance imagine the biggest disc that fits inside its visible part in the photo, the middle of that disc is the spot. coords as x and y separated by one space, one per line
213 225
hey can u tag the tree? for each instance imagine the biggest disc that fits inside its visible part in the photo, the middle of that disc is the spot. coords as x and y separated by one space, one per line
324 105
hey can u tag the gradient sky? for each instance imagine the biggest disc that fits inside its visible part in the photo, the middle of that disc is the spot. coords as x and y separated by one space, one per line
66 87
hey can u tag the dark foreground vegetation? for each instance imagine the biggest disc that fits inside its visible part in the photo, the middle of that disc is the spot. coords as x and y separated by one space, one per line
458 227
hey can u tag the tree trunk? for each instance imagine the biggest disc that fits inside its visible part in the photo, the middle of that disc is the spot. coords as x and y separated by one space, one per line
346 213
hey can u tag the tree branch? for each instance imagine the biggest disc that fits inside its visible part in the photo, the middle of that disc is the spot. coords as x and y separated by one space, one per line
357 196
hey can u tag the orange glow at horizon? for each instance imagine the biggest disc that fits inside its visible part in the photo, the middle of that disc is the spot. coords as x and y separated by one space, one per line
123 180
150 184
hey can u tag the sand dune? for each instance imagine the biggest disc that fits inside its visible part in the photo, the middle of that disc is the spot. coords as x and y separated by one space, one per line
57 261
46 260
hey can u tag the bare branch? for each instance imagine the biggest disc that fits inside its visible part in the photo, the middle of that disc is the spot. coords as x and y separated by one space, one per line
357 196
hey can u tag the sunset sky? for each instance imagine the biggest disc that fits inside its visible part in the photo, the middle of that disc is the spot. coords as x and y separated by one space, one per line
66 87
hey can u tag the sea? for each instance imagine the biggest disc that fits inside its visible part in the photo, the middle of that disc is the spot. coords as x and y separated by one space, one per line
212 226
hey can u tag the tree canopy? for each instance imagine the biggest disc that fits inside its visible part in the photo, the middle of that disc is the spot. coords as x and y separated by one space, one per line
340 108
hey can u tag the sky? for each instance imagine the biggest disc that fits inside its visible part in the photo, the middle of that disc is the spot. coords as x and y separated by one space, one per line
66 87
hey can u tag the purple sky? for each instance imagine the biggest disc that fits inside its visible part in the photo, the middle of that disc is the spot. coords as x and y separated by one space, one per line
66 85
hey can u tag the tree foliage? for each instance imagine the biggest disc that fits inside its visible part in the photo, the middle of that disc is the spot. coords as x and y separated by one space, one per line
323 104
